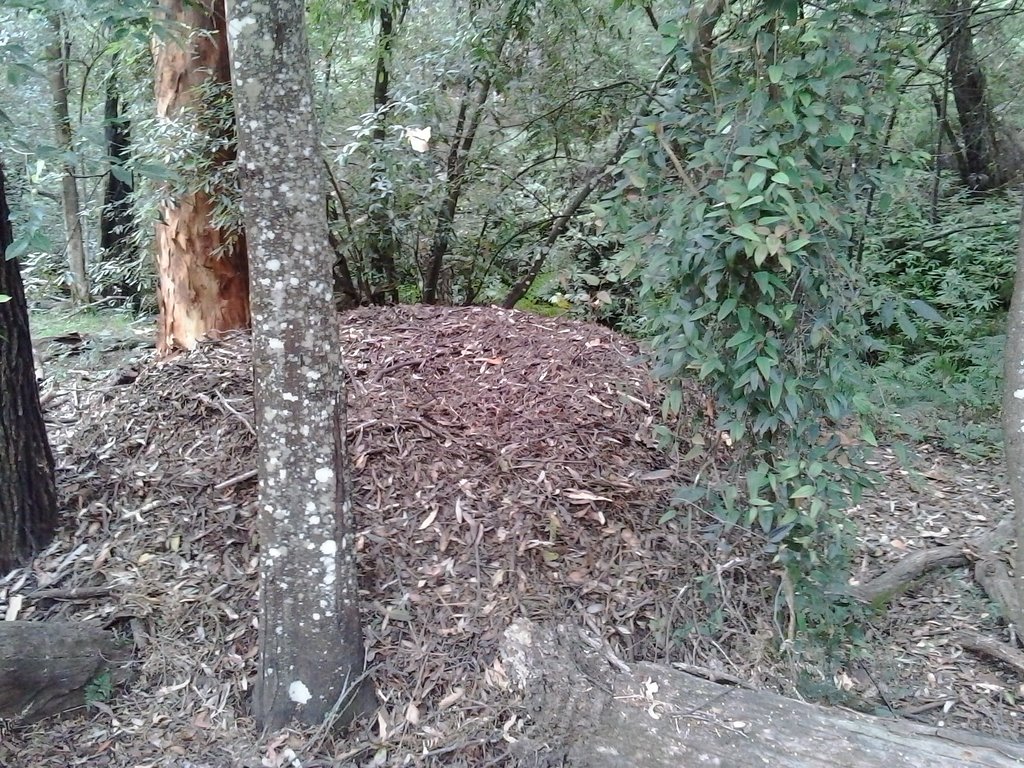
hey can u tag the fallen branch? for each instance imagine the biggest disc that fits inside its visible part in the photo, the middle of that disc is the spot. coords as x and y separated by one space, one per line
994 578
585 713
912 567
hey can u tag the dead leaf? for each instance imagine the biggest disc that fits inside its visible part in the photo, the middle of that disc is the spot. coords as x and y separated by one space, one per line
451 698
412 714
580 496
429 520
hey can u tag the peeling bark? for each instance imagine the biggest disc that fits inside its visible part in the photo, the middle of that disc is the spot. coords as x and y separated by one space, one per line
311 642
28 497
203 287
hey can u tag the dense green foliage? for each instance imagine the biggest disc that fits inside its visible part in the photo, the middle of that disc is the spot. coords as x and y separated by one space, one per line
940 292
742 229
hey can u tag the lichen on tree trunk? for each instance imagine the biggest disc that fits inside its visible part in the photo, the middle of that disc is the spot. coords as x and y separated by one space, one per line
311 642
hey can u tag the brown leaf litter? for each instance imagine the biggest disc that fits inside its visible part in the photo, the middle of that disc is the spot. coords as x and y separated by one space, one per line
505 466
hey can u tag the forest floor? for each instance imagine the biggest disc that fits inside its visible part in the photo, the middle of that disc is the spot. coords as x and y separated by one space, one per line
505 467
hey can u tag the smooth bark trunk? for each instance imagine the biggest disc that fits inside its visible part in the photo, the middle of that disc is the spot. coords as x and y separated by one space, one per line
1013 411
311 641
57 56
116 220
383 243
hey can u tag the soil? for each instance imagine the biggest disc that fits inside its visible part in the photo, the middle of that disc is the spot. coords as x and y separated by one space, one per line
506 465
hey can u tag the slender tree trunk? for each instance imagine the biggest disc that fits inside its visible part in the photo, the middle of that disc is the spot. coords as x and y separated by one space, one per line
28 498
1013 410
203 270
116 219
986 165
57 56
522 286
383 243
466 126
311 642
458 161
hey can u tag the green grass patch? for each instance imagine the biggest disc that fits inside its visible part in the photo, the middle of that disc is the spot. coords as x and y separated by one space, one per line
59 321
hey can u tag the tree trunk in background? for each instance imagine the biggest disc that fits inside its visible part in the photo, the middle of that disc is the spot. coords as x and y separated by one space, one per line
28 498
116 221
383 243
988 164
203 286
1013 411
311 641
57 58
471 114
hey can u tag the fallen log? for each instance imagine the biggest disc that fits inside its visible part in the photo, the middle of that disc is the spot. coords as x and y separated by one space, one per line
47 667
589 713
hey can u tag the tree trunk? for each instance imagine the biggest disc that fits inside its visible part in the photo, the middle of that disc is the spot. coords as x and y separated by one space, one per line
311 642
57 56
987 165
203 271
462 140
28 498
383 243
458 161
116 222
1013 410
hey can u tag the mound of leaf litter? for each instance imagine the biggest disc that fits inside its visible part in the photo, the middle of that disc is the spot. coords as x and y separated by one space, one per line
505 466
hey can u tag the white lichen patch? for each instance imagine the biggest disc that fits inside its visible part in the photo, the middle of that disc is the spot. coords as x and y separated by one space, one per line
325 475
1019 394
298 692
329 548
239 26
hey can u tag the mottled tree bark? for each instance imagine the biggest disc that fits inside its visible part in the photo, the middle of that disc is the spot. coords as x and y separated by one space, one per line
203 272
1013 410
28 499
311 641
57 57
